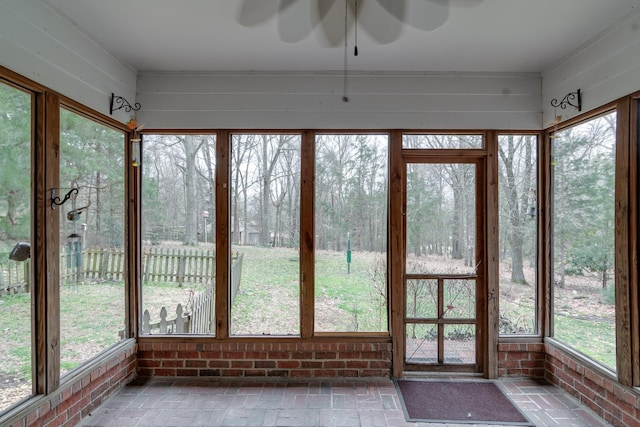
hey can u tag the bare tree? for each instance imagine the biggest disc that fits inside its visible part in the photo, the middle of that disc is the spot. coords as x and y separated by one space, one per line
517 178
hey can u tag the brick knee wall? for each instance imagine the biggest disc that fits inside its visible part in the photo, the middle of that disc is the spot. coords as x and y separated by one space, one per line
521 359
67 406
268 359
616 404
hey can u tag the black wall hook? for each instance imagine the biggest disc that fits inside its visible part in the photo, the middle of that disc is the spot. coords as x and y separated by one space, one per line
55 200
574 99
122 103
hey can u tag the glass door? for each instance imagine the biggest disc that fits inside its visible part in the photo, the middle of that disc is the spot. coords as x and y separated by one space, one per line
442 270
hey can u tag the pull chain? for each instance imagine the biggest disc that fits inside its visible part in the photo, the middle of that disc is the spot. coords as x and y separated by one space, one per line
355 40
345 97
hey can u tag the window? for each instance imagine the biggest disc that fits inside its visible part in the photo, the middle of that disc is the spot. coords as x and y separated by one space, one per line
583 162
92 228
351 233
15 221
436 141
518 207
178 234
265 236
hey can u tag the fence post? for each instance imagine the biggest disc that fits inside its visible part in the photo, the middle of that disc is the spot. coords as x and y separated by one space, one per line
180 321
163 320
27 276
182 258
146 320
104 263
236 271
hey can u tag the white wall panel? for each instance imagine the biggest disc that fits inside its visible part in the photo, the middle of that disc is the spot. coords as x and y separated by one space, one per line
304 100
37 42
604 70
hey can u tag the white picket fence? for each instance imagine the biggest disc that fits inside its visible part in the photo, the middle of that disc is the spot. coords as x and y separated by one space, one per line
14 278
198 318
196 321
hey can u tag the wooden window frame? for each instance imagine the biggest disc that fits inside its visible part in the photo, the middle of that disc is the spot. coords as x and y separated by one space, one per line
45 237
627 322
540 289
308 221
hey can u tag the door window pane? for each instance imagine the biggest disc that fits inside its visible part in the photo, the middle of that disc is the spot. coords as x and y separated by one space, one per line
459 299
178 234
92 229
265 236
459 343
15 234
583 161
421 343
421 299
518 207
351 233
441 218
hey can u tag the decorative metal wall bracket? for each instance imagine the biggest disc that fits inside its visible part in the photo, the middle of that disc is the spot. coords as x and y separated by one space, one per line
574 99
56 201
118 102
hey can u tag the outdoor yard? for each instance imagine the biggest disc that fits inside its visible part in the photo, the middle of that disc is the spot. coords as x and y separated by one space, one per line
267 302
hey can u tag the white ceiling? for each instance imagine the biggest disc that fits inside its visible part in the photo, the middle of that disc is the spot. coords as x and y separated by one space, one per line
475 35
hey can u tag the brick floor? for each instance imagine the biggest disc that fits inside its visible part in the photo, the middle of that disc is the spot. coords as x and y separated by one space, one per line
336 402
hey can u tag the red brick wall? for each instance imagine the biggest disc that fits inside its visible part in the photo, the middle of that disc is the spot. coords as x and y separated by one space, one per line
521 359
617 404
256 359
67 406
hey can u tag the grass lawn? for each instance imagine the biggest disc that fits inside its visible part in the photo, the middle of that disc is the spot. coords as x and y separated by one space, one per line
595 338
268 300
350 299
91 315
268 303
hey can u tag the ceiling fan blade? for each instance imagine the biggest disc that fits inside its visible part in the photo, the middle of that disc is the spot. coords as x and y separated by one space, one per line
427 15
384 28
331 19
394 8
255 12
464 3
296 20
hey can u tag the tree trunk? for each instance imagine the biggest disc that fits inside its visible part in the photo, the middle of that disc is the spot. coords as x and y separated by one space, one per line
211 194
457 242
517 203
265 190
98 208
191 208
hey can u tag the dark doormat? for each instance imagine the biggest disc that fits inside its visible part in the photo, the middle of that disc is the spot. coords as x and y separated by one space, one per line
463 402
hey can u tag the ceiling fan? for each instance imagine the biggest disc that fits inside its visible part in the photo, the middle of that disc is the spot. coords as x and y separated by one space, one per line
383 20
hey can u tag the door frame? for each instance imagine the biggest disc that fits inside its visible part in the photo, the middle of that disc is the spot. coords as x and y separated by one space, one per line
486 243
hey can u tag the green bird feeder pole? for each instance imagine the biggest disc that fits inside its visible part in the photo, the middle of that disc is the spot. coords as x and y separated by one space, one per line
348 253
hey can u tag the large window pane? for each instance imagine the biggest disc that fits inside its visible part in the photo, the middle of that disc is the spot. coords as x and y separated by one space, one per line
517 180
583 237
15 220
351 233
178 234
265 218
92 229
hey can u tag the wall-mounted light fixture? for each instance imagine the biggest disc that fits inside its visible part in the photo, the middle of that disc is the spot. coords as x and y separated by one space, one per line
118 102
574 99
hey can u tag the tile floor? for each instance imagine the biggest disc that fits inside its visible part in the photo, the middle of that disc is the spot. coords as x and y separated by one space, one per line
366 403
